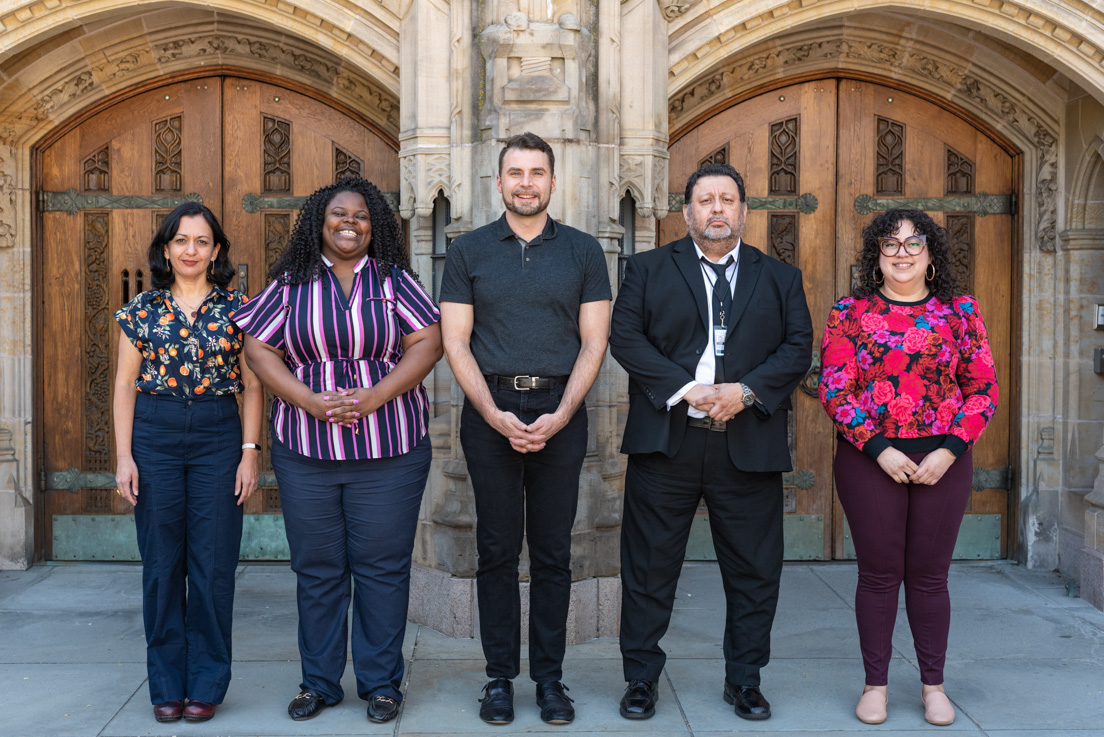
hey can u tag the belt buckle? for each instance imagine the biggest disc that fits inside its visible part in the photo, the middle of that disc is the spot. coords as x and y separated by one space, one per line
523 388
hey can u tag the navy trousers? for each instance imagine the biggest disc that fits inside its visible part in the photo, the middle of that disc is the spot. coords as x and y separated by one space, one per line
534 495
189 534
352 521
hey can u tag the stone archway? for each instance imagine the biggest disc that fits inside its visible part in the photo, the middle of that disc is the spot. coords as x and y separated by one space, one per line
966 62
60 59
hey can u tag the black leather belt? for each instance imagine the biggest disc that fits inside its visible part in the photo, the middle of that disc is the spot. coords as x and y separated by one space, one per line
526 383
706 423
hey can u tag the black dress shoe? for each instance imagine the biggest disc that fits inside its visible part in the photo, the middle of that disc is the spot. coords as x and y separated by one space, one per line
170 711
382 709
554 704
306 705
639 700
749 701
497 707
198 711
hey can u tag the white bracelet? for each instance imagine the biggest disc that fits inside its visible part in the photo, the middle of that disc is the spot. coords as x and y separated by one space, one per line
250 446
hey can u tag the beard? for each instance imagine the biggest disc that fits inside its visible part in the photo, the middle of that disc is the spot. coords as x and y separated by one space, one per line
527 209
714 242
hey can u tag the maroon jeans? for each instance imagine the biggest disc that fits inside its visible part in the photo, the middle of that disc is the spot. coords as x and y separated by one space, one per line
902 533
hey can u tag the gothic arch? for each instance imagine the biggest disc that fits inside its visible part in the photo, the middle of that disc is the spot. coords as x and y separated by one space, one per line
1086 197
1060 31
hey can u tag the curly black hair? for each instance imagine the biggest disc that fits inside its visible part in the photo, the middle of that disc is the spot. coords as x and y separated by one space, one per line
220 272
945 285
301 260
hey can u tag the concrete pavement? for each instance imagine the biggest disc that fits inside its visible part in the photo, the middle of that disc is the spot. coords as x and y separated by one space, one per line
1025 660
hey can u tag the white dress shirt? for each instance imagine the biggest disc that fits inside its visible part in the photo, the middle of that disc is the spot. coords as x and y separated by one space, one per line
706 370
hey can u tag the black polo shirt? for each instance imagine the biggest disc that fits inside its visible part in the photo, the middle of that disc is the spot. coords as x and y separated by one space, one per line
525 298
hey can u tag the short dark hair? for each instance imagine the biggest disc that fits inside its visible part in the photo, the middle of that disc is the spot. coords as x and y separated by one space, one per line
161 275
714 170
944 285
528 142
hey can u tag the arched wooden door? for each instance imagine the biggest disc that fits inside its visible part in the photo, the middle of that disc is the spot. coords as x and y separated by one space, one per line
250 151
818 158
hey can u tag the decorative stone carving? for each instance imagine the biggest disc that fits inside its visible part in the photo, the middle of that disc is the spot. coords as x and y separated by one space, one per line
424 174
673 9
7 198
644 174
539 72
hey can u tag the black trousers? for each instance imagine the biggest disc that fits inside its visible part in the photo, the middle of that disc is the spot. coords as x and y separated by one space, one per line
745 518
531 494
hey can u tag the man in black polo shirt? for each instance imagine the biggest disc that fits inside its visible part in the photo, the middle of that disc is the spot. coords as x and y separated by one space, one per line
525 318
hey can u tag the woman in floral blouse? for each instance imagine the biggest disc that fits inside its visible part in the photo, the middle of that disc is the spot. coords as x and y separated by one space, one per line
180 457
908 380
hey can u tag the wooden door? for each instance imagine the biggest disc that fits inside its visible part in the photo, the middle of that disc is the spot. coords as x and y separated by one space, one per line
250 151
809 155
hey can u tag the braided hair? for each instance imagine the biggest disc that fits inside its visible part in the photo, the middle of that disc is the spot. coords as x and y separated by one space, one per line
301 260
945 285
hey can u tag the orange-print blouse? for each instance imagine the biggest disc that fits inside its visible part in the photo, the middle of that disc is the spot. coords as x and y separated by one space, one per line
180 359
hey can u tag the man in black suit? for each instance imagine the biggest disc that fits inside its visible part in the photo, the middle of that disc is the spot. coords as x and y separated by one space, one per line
714 335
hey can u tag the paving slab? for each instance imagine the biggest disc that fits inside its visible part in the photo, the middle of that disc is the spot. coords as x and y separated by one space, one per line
13 582
82 589
72 637
69 699
1032 693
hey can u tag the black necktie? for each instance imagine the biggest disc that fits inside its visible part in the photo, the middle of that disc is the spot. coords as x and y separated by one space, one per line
722 306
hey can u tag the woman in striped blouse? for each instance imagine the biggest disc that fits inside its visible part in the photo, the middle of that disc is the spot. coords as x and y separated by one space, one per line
343 336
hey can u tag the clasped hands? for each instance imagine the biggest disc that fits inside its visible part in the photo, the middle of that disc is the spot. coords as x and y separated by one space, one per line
721 401
527 438
343 406
904 470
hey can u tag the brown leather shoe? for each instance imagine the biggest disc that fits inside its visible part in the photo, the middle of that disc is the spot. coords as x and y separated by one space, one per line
170 711
198 711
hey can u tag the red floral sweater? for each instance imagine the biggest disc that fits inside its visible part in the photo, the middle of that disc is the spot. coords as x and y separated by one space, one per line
914 375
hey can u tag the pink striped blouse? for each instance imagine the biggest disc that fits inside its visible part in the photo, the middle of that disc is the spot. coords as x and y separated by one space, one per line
331 342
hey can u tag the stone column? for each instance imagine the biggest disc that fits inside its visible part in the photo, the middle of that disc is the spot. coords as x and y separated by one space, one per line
1091 565
16 383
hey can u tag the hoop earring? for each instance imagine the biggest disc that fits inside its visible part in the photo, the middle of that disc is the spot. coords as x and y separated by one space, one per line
932 267
879 278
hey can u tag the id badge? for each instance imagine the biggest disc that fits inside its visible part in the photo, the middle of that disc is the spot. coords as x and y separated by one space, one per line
719 341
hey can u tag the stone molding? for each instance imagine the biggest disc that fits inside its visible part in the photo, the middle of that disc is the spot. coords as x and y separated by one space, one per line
990 98
156 53
1058 28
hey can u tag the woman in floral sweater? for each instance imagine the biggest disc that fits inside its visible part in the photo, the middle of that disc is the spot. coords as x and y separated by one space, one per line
908 380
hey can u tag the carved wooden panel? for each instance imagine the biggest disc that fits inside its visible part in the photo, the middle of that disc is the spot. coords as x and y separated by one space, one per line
276 155
960 238
785 143
96 501
97 357
97 172
720 156
270 501
782 235
168 154
345 164
960 173
889 174
277 228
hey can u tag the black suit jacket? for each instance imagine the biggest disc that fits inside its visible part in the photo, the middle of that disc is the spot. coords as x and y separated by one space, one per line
658 333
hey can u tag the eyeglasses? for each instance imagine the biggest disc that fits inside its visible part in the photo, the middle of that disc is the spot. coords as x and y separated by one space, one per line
914 244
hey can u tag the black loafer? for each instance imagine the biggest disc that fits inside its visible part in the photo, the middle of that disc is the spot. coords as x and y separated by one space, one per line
382 709
497 707
748 700
306 705
554 704
639 700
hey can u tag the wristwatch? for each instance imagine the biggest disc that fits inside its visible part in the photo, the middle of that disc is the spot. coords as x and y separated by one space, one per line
749 395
